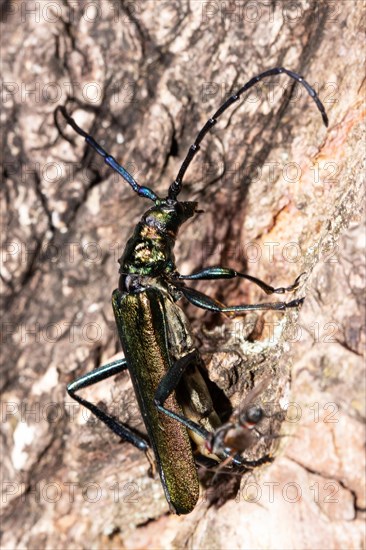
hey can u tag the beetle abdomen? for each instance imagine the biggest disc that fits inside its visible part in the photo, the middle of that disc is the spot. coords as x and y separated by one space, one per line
141 323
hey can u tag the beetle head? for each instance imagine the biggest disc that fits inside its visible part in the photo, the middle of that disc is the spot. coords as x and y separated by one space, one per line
168 215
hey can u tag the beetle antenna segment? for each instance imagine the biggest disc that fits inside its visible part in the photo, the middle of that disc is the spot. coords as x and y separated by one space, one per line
145 192
176 186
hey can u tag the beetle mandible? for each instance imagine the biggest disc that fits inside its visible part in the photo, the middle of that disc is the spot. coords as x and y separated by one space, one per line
154 333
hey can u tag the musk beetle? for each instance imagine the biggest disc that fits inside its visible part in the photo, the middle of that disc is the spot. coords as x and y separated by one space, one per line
154 333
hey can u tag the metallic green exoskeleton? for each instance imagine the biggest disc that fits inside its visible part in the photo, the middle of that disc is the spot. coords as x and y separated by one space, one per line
144 312
159 352
141 320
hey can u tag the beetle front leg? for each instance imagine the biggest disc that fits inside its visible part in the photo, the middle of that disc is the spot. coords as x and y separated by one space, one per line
97 375
168 384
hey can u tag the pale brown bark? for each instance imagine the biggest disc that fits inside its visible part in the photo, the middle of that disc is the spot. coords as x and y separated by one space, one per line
270 178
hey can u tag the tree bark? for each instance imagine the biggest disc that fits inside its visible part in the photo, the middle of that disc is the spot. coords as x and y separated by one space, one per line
281 194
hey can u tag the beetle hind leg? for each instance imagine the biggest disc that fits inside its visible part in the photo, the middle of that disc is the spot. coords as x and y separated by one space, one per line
168 384
91 378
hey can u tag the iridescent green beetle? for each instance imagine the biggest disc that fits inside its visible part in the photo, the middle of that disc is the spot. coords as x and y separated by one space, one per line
154 333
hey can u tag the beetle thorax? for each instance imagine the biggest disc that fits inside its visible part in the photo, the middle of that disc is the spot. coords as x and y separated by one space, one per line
150 249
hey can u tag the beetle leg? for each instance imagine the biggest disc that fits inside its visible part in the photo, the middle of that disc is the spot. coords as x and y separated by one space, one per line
168 384
236 460
210 273
205 302
241 464
97 375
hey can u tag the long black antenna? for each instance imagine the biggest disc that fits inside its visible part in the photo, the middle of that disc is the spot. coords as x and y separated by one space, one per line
176 186
108 159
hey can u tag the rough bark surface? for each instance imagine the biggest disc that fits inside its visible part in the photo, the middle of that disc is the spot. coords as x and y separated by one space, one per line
282 195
